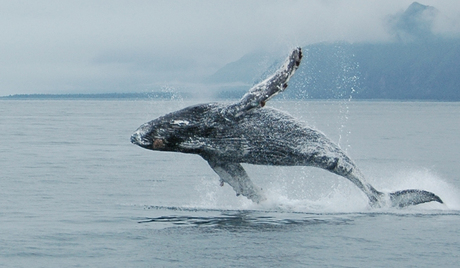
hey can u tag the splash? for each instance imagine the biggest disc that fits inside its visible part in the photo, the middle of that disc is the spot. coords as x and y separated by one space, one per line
174 94
429 181
347 84
310 192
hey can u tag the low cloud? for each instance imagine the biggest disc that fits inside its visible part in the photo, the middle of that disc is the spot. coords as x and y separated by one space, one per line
108 46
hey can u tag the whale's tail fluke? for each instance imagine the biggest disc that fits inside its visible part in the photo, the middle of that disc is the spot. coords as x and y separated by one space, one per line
402 198
378 199
411 197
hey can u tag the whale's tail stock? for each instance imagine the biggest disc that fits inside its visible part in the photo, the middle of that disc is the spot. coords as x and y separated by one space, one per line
403 198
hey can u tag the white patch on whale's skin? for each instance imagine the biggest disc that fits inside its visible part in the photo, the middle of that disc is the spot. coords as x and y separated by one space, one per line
191 143
180 122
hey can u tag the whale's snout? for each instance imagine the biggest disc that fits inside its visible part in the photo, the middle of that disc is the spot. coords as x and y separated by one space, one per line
135 138
138 139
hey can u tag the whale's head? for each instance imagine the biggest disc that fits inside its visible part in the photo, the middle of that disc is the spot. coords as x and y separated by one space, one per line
162 134
150 135
176 131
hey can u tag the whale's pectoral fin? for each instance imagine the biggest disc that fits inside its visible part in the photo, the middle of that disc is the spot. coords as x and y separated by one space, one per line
262 92
235 175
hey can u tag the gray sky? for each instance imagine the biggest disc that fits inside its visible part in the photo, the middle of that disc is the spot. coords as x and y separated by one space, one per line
125 46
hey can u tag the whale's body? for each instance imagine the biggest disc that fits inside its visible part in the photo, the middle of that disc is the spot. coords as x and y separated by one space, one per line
244 132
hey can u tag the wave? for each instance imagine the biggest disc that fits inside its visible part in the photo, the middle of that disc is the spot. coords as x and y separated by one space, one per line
264 220
340 203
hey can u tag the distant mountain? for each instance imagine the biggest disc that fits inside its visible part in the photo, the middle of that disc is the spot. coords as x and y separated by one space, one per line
242 71
421 70
418 65
415 23
235 78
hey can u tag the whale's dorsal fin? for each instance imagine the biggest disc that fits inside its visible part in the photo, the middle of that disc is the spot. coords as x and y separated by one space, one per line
265 90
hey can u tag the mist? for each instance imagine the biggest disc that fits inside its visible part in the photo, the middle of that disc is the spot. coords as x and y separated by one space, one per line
137 46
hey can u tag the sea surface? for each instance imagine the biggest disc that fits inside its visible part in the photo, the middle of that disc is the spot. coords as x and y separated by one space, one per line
74 192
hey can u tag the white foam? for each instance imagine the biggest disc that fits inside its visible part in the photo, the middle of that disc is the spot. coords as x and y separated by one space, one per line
342 197
212 196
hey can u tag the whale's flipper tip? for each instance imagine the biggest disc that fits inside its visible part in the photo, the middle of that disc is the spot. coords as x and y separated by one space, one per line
259 94
406 198
297 55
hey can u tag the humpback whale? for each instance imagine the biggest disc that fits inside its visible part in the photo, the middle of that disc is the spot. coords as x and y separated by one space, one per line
226 135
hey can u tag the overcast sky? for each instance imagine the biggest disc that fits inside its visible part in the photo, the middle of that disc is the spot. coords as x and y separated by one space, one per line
125 46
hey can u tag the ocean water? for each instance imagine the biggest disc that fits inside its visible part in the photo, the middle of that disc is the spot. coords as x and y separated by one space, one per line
74 192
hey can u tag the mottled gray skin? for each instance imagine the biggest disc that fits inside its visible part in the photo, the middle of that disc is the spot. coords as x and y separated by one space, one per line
244 132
